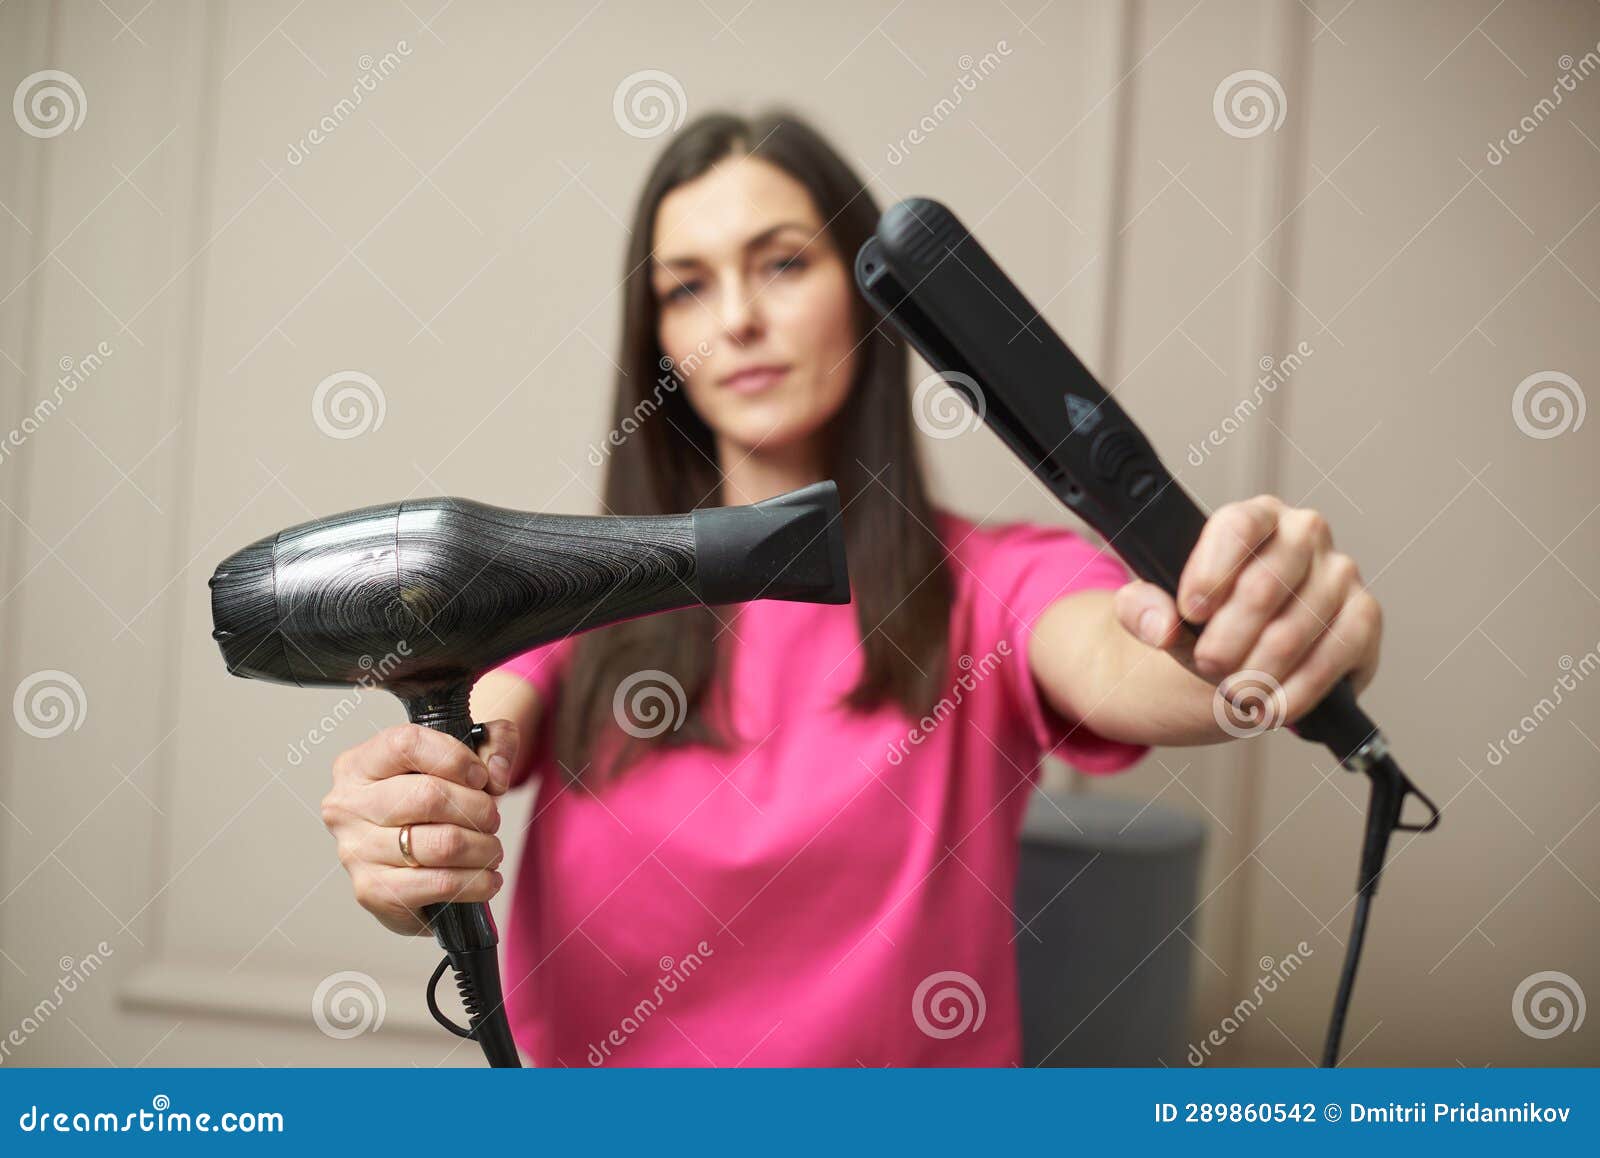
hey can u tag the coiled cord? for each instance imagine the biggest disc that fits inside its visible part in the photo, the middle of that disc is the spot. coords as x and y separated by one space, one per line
477 974
468 999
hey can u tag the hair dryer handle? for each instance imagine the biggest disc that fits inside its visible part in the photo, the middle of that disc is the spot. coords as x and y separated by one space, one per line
465 929
457 925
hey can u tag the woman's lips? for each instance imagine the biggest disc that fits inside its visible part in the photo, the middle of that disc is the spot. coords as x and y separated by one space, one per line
754 379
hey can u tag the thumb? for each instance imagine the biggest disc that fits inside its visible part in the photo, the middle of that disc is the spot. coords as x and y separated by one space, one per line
499 752
1149 614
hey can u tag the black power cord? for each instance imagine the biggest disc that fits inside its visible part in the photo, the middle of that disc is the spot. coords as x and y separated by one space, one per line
1389 790
1347 980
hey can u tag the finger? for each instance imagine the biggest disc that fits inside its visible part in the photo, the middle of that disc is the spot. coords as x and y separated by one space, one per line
1226 542
1285 641
426 800
499 753
1338 650
376 894
1262 588
411 888
433 845
1367 666
414 748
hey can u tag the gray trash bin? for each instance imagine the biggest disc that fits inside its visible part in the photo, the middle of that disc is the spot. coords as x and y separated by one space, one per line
1104 884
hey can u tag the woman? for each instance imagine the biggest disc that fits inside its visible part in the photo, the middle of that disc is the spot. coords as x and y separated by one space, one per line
820 834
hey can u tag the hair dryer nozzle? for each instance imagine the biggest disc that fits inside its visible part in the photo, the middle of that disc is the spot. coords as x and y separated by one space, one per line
787 547
244 612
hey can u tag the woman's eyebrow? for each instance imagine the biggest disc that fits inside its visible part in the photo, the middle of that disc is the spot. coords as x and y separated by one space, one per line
766 235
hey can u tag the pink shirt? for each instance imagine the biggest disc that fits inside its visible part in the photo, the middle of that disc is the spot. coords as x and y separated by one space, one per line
838 889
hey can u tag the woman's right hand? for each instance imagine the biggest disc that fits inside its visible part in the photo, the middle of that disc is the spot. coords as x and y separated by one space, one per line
413 775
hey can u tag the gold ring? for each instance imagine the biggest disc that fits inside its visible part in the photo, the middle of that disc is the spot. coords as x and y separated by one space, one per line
405 847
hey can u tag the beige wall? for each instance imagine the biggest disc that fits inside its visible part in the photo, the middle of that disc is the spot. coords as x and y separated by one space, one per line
458 239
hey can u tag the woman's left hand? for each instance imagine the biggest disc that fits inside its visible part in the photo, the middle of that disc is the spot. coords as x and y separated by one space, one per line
1275 599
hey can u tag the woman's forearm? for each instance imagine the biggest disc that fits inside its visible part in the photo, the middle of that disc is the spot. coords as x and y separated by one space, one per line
1089 668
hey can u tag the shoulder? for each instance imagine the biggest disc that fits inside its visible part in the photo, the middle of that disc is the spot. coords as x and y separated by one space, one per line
1007 575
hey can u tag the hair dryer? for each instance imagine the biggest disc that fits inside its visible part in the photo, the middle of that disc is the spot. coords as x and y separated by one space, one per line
421 597
938 287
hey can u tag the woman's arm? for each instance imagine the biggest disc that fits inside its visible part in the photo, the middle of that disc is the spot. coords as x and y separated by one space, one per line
1278 602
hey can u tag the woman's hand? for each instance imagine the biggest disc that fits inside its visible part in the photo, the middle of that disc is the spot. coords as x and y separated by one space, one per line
1275 599
450 806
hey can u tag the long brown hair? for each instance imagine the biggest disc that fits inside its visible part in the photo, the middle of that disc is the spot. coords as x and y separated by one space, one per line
900 583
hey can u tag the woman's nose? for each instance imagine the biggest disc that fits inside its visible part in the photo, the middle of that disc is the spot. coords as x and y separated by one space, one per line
740 309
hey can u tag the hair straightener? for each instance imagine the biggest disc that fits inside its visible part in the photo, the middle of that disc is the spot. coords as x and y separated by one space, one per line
942 291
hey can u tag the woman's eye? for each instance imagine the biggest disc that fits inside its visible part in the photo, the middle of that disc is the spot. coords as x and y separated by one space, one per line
680 290
786 264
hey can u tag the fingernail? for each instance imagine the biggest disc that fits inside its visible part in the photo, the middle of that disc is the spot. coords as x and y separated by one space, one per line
1149 626
499 772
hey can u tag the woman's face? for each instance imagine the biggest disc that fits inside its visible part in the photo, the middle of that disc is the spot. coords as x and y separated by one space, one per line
754 305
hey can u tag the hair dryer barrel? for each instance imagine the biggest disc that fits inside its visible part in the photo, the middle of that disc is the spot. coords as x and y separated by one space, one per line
414 594
420 598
